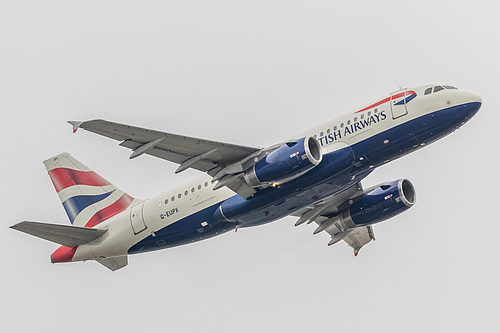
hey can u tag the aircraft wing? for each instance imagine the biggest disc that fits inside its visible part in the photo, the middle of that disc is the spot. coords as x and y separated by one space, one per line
216 158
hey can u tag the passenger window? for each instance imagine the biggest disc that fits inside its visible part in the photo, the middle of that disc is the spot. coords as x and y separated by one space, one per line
166 201
348 122
355 119
321 134
199 187
369 113
172 198
341 125
362 116
206 184
328 131
428 91
186 193
179 195
192 190
438 88
335 129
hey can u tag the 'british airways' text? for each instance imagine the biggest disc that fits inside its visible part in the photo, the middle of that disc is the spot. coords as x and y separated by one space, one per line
352 128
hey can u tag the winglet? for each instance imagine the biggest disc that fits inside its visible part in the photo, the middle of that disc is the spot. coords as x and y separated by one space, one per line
75 124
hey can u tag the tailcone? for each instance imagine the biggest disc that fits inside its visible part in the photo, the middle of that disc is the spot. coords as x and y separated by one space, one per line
63 254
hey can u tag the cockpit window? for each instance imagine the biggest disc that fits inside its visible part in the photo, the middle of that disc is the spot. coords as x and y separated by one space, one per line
438 88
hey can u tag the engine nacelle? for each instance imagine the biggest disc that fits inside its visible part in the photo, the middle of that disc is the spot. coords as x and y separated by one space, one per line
285 163
380 204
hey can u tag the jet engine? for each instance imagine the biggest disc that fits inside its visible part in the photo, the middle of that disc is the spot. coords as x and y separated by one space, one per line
379 204
285 163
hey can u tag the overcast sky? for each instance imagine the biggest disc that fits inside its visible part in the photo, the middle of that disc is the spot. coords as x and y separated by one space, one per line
250 73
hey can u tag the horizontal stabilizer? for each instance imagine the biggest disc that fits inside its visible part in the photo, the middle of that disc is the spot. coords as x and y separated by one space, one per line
69 236
114 263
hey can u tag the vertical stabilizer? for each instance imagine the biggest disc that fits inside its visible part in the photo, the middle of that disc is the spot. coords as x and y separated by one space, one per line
87 198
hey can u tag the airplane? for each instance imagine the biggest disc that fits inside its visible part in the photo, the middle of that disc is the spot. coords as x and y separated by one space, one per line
314 176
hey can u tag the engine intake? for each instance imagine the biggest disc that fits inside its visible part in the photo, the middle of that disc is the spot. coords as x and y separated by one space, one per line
285 163
380 204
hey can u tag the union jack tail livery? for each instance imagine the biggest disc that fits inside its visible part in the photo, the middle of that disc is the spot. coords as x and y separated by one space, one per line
87 198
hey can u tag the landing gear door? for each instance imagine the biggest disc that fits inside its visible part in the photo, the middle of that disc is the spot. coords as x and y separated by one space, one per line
137 218
398 104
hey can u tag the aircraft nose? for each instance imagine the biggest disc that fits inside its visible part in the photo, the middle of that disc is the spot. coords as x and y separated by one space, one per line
470 97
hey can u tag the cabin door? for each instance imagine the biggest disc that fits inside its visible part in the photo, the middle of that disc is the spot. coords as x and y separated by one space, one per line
398 104
137 218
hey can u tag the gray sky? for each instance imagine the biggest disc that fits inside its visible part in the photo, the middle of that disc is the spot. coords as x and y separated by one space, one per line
251 73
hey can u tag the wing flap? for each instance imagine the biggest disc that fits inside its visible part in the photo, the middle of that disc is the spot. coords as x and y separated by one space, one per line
359 237
66 235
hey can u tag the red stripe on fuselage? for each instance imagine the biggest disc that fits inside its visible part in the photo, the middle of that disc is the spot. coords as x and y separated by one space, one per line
63 178
119 206
385 100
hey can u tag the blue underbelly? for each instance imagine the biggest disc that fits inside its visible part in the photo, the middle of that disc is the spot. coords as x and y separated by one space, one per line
193 228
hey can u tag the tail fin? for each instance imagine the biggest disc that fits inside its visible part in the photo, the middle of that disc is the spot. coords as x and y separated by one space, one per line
87 198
